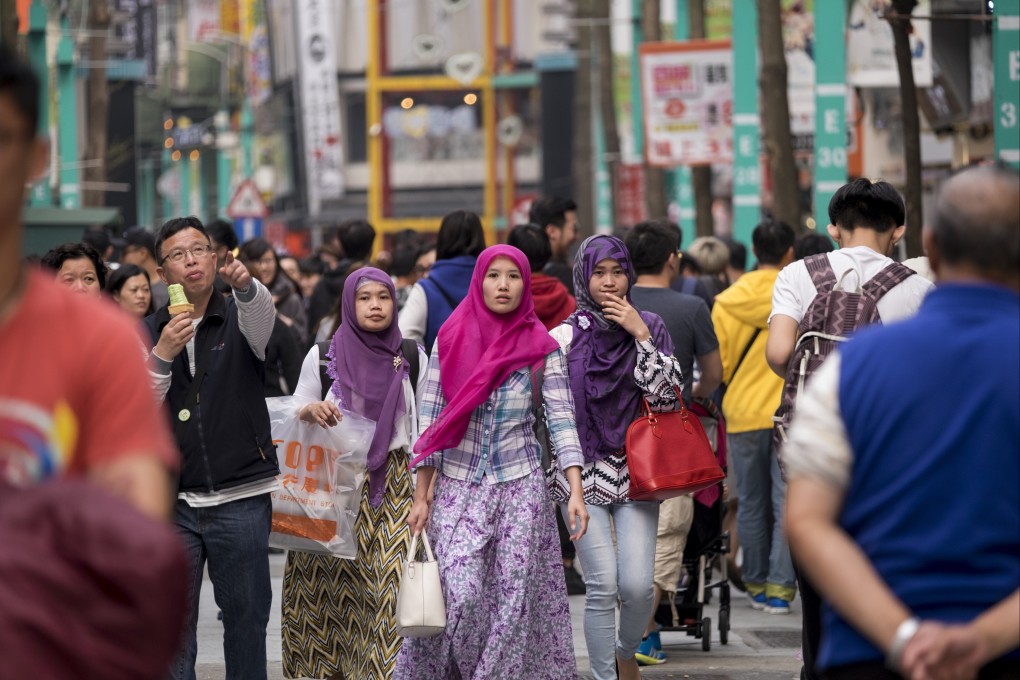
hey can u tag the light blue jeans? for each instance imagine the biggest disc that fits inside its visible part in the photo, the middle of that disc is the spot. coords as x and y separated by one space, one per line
624 571
762 493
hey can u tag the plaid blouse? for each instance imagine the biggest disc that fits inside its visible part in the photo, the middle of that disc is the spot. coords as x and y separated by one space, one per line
500 444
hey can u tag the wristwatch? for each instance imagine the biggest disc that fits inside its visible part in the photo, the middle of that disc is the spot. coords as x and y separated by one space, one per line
905 632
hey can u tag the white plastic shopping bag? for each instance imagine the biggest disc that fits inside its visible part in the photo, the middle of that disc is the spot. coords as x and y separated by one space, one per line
321 474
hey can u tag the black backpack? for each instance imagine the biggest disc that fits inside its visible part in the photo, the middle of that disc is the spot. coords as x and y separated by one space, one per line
408 347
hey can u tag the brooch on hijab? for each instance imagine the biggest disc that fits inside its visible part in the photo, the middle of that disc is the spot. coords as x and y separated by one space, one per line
397 361
583 321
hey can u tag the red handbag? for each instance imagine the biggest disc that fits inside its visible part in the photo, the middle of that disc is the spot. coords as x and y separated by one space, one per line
668 455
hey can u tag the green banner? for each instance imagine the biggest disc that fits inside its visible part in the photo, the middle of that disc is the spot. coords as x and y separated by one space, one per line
1007 81
746 161
830 105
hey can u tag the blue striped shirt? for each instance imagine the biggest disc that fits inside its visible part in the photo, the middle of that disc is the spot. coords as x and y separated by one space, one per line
500 444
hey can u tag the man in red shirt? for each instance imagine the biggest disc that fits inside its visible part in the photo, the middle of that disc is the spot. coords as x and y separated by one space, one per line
75 402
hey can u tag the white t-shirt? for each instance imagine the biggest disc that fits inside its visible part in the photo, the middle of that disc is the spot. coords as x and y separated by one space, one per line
794 290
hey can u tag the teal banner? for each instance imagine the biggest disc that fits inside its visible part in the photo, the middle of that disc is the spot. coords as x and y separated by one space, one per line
830 106
1007 81
746 161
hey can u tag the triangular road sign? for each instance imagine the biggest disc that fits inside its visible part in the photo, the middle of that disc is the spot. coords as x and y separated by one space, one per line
247 202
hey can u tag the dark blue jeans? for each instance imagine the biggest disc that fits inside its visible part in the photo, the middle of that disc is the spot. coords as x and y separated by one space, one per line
234 539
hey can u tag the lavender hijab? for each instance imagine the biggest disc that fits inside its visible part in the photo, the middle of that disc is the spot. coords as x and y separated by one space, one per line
361 364
603 355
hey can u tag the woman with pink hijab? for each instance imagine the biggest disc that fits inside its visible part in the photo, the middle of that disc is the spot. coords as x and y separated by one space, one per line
489 523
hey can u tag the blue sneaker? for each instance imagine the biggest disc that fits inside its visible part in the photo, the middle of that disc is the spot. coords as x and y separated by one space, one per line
650 653
759 601
777 605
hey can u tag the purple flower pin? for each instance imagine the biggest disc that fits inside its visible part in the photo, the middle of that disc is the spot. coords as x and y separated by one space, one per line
583 320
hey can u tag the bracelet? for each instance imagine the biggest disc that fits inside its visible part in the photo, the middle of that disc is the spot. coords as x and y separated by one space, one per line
905 632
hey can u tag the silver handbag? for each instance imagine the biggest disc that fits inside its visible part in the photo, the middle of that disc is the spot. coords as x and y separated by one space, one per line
421 609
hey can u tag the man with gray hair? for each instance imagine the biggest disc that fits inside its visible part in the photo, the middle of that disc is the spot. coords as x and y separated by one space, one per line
904 501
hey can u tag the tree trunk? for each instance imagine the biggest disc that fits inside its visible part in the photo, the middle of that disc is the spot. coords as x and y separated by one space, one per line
607 102
584 168
655 178
9 24
98 103
701 175
775 109
900 22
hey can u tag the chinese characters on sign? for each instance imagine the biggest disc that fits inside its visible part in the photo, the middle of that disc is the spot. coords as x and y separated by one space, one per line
320 102
687 92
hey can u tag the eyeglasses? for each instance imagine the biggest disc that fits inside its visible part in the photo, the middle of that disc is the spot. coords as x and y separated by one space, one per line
199 252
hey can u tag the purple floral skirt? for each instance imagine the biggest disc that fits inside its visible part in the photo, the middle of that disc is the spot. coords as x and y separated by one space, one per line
506 600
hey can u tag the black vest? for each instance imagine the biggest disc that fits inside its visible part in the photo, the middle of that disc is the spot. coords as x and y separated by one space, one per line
226 441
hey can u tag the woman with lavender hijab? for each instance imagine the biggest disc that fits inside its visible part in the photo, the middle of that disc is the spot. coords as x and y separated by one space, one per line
496 543
339 616
615 356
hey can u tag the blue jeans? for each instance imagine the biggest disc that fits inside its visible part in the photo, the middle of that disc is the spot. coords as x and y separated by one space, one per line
234 539
625 571
762 496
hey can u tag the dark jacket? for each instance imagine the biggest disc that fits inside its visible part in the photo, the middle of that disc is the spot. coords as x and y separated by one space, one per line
227 441
325 293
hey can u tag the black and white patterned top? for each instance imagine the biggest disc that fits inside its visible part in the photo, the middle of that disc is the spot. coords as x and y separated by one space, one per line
607 481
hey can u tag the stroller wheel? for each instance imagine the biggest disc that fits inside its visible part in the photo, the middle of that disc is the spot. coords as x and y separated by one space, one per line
724 626
706 634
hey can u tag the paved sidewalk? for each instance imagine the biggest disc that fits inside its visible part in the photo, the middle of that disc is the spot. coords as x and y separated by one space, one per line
761 646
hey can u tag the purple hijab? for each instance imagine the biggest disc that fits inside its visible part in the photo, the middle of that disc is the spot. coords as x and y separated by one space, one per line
602 355
365 380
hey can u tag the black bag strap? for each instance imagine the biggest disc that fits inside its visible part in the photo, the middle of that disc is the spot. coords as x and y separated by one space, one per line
743 355
324 380
191 401
407 346
410 349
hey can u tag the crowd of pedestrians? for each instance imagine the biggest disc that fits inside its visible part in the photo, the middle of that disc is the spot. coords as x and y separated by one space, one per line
891 407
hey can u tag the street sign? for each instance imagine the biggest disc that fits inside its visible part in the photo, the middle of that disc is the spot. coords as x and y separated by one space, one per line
1007 82
247 228
247 202
830 167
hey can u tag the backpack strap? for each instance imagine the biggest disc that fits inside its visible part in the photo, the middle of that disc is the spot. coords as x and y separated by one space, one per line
408 347
881 283
324 380
410 350
820 270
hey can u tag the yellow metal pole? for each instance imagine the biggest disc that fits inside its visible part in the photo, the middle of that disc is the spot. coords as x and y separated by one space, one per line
373 119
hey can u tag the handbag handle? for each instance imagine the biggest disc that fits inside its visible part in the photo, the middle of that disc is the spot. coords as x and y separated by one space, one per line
413 553
651 416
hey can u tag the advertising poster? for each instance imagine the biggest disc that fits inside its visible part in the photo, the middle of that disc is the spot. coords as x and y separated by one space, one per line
687 93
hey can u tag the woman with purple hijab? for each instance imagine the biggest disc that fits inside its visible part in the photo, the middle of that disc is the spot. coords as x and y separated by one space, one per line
615 356
496 543
339 616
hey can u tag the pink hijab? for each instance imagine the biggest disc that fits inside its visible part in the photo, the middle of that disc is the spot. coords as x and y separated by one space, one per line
479 348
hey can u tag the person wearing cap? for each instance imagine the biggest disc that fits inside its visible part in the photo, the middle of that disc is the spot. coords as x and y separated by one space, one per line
140 249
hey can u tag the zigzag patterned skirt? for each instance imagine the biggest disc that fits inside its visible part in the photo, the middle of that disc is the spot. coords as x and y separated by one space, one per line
340 615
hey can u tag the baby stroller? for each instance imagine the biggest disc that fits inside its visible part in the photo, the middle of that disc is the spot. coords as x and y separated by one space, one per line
704 556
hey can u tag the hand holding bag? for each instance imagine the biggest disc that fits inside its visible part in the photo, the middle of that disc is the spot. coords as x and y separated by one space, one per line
421 609
668 455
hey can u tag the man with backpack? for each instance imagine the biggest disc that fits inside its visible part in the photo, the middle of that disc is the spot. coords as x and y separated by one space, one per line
820 300
904 501
740 317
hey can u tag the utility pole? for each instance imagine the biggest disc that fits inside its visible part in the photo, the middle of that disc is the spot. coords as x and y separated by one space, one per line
701 175
98 102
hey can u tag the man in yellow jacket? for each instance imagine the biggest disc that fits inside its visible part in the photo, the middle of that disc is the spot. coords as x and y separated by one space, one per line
753 391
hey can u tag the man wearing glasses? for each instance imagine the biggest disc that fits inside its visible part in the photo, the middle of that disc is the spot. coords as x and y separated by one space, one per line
207 366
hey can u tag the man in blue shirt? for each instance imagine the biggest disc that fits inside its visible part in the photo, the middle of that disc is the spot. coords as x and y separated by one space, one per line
904 493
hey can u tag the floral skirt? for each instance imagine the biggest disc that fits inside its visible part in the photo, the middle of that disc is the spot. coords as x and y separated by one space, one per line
340 615
506 600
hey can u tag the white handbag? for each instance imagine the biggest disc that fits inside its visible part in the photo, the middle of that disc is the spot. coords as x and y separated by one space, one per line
421 609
